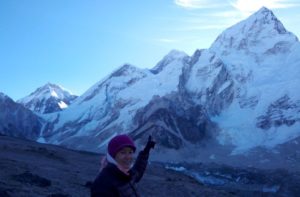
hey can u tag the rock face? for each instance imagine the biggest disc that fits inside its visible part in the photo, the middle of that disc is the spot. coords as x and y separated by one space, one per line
16 120
281 112
48 99
175 125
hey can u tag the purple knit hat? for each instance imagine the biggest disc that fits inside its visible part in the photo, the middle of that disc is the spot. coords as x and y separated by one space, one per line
118 142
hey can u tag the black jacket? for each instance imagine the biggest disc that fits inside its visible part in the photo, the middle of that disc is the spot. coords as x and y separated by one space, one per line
111 182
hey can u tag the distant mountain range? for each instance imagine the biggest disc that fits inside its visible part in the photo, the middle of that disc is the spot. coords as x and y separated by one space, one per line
241 93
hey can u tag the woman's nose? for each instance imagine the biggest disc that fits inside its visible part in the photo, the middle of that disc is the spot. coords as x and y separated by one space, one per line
129 156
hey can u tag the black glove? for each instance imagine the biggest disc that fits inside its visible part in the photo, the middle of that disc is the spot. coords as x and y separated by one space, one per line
150 144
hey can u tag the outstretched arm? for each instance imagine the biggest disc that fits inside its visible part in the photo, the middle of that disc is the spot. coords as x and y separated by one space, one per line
142 160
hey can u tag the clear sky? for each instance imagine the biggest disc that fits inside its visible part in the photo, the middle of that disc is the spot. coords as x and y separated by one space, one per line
76 43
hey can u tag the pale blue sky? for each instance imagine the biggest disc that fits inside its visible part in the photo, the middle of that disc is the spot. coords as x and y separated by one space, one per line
76 43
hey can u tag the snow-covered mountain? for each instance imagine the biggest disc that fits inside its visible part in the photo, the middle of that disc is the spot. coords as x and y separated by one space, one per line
110 106
240 94
263 59
47 99
16 120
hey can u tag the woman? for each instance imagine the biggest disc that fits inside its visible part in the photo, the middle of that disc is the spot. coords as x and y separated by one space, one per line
118 177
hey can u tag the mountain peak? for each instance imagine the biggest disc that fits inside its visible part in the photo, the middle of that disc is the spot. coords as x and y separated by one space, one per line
124 70
49 98
50 90
50 84
3 96
173 55
176 54
266 17
264 10
53 89
257 33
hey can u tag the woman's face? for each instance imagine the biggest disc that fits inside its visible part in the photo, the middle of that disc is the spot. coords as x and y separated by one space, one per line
125 157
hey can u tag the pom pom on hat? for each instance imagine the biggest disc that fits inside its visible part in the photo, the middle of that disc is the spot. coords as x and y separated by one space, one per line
118 142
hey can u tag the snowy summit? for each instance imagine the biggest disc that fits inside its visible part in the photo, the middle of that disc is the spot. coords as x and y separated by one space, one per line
47 99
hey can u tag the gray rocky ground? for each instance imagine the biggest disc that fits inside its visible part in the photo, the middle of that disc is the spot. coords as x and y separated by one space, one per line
30 169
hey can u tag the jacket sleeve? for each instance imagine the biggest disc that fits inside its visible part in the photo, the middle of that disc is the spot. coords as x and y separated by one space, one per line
139 166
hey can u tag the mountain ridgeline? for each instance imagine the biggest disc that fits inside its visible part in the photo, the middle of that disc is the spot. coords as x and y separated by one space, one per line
241 94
